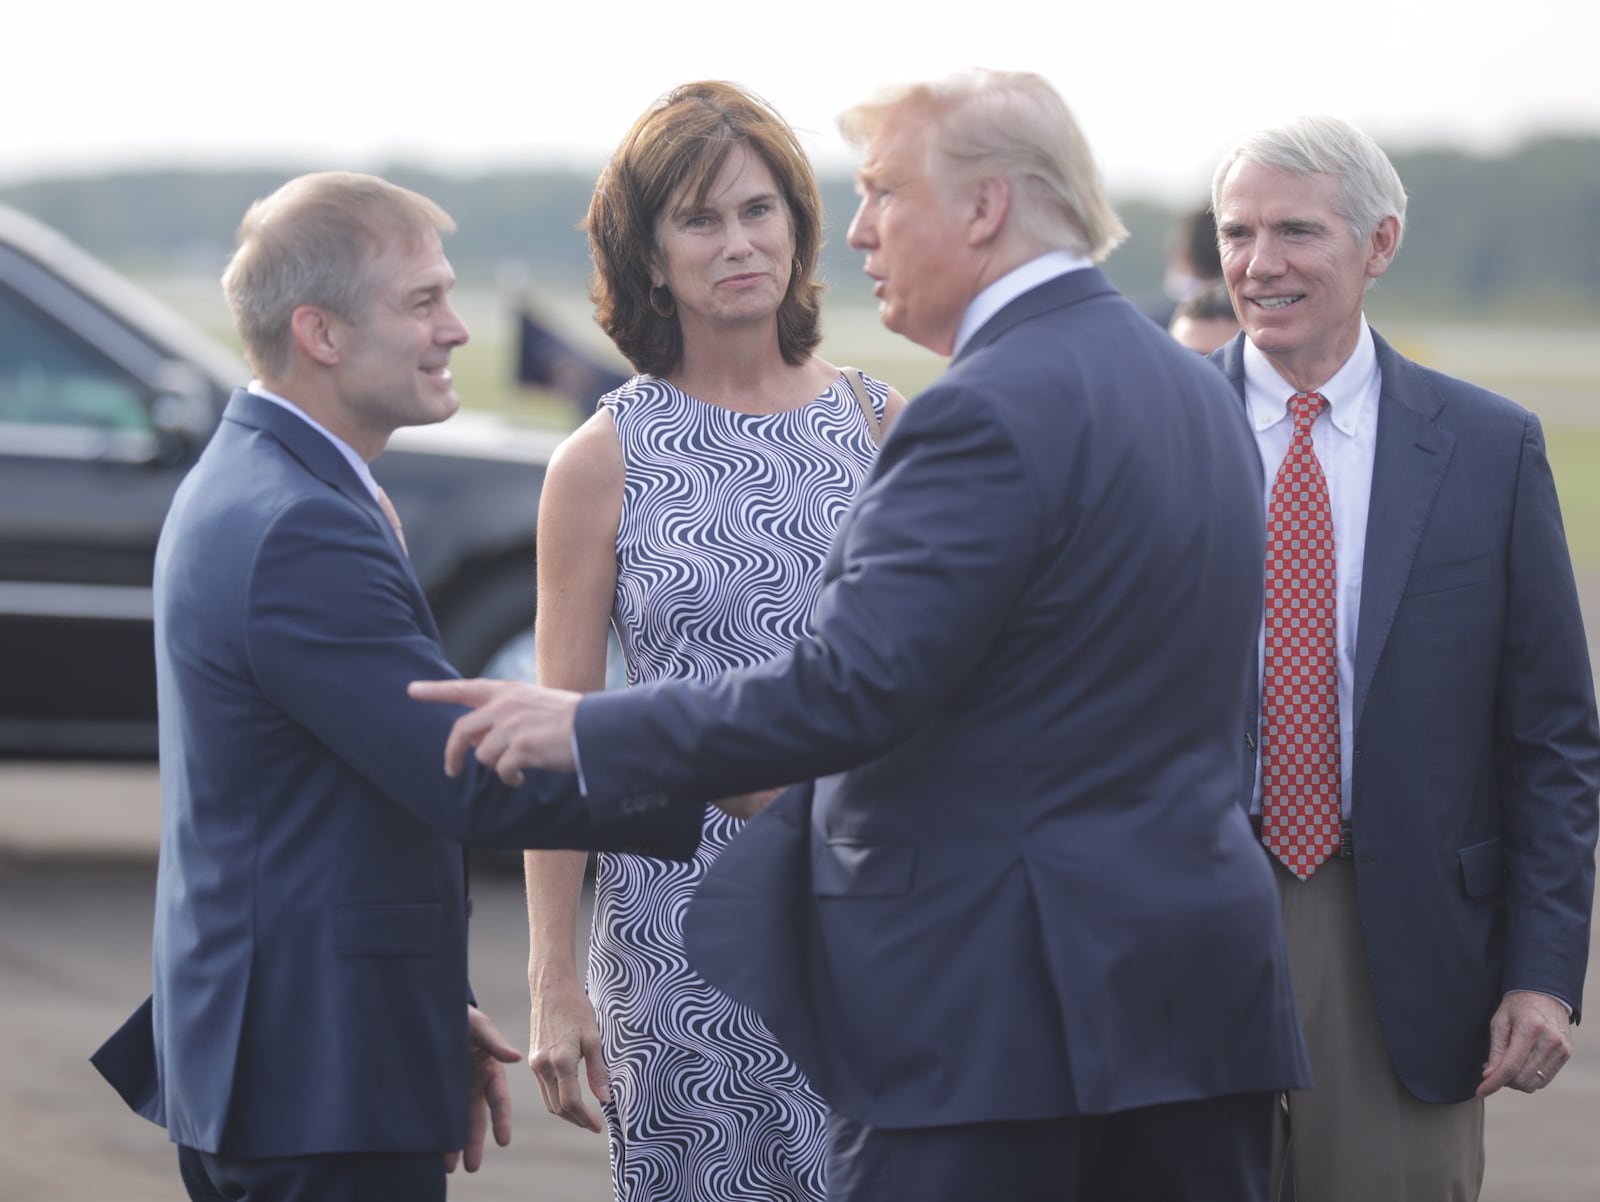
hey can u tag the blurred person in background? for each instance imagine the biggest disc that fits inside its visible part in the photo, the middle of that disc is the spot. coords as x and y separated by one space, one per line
1192 263
1206 320
692 511
1426 739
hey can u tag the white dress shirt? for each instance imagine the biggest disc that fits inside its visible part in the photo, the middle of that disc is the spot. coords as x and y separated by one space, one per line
1012 285
1344 437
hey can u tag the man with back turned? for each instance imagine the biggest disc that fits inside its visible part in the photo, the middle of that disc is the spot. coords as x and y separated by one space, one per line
1023 943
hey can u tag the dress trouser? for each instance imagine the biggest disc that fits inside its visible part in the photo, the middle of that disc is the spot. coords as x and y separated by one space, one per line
1213 1150
1359 1134
337 1178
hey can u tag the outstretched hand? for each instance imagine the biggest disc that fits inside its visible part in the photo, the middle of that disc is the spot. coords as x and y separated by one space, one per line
489 1096
512 726
1529 1041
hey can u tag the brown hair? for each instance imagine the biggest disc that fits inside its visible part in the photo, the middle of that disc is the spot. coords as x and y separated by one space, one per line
685 138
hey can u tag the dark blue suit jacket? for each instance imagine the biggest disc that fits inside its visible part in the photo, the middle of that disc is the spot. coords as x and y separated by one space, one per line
1032 893
1477 757
310 975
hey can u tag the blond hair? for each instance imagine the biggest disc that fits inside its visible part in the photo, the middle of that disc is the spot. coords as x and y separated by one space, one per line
1014 125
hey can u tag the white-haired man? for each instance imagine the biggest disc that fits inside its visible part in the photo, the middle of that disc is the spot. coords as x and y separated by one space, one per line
1428 753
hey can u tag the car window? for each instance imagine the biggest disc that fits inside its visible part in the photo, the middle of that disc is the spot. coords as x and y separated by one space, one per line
50 377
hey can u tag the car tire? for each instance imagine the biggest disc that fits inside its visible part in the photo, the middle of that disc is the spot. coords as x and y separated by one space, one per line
492 626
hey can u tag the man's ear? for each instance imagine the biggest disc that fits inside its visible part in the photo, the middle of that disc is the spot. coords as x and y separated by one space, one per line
989 209
313 332
1382 245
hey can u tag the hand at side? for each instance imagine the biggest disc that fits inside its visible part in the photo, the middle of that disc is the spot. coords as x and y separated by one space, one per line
489 1097
1529 1041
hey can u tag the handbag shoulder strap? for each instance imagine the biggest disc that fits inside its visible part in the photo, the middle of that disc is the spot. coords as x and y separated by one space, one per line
859 387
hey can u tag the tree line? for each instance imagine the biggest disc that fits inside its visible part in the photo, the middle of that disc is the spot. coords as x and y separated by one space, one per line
1509 236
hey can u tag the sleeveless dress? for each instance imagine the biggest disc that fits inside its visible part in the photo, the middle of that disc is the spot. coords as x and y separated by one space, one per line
726 518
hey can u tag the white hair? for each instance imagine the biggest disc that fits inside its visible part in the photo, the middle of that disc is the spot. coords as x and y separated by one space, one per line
1369 186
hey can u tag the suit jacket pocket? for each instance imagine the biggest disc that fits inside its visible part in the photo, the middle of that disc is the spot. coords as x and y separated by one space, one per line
389 929
1481 868
1432 578
851 868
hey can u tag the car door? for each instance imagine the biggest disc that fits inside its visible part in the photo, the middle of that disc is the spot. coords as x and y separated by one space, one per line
88 467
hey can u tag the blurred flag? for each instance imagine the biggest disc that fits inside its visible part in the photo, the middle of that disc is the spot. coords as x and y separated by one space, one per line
546 360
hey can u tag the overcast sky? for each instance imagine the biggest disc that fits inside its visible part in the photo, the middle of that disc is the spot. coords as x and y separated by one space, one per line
1161 88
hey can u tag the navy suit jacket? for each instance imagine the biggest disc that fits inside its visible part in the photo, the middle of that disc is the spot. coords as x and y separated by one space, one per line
1476 755
310 976
1030 893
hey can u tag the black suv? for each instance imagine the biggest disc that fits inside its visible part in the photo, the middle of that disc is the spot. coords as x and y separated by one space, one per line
105 400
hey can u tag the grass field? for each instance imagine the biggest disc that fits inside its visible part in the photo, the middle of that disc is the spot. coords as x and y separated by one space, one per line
1575 459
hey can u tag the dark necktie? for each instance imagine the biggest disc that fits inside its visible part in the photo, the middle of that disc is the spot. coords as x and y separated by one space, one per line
1300 808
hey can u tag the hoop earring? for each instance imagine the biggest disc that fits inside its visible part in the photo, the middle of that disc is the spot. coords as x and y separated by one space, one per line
661 301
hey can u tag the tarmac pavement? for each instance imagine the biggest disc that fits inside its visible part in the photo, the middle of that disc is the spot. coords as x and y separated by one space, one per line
77 853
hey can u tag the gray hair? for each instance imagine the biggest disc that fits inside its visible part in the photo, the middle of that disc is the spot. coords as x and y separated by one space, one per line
312 242
1010 124
1369 187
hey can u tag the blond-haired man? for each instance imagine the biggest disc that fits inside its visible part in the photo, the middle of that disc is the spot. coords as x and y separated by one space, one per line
1023 944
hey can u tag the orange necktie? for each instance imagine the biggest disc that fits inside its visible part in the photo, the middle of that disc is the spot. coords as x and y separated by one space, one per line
394 518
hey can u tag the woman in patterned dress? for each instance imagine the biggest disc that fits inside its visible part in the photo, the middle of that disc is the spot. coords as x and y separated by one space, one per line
693 511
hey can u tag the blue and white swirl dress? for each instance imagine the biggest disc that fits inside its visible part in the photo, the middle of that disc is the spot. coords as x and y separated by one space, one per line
726 518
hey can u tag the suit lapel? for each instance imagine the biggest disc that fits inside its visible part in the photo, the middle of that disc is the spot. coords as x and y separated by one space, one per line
319 456
1409 462
323 460
1413 452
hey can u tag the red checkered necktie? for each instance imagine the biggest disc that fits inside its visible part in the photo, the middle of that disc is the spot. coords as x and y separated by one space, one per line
1300 675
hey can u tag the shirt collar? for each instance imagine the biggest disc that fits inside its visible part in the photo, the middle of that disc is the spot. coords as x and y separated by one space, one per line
256 388
1012 285
1267 393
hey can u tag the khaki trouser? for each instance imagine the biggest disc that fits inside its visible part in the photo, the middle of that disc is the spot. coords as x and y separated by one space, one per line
1359 1135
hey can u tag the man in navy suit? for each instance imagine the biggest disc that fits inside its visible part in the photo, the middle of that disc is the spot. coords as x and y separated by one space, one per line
1437 867
310 1035
1024 946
